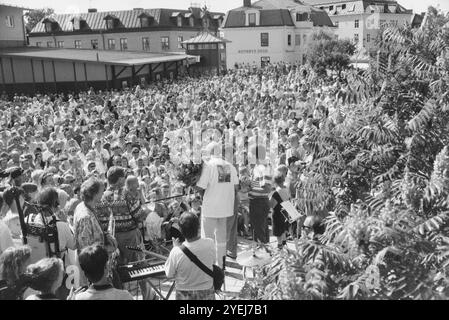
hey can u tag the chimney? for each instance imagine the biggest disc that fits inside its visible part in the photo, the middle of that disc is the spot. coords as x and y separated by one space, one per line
247 3
91 10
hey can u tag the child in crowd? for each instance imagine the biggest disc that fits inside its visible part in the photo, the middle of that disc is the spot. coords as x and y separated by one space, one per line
244 188
280 217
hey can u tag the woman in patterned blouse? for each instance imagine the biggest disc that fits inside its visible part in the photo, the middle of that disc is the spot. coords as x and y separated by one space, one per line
88 230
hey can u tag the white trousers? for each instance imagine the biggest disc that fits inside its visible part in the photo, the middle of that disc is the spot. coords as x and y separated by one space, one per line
215 229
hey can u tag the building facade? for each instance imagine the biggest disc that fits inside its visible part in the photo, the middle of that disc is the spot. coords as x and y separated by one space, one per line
360 21
12 27
149 30
270 31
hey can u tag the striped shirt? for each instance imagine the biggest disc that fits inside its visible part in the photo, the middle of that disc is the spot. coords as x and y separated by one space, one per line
261 182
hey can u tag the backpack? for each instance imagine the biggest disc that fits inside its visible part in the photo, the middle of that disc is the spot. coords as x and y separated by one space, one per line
42 238
216 273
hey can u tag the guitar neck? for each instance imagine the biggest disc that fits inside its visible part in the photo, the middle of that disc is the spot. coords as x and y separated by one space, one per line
148 253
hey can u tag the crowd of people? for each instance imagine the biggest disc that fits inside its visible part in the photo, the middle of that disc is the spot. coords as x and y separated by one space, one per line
76 162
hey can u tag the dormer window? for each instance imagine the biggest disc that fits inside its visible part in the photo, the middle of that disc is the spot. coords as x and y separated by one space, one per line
79 23
179 21
145 20
48 27
252 19
192 21
111 22
302 16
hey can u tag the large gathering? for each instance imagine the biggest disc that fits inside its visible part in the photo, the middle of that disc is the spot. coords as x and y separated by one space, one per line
315 175
65 158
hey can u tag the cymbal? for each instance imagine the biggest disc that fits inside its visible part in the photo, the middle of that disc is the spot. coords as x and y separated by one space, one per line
253 258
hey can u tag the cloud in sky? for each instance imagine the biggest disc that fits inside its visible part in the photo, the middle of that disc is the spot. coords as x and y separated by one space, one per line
67 6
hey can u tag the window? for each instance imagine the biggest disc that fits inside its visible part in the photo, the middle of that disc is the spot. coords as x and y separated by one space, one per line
38 44
77 44
48 27
252 19
289 39
331 8
10 21
123 44
356 38
111 44
165 42
179 21
191 22
94 43
343 6
146 44
60 44
49 44
180 40
356 23
264 61
297 40
110 24
382 23
264 39
336 24
368 37
144 22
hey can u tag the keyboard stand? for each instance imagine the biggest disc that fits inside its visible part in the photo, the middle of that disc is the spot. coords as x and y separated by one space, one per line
158 290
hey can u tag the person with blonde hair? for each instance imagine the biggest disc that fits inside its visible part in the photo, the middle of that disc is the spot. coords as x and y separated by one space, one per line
45 276
13 262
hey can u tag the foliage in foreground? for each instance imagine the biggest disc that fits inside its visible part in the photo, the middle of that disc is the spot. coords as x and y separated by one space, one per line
381 169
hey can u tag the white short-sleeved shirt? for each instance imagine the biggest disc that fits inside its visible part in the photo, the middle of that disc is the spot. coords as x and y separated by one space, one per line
218 179
109 294
5 237
189 276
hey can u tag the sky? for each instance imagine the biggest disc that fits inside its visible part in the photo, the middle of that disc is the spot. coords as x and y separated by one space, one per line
78 6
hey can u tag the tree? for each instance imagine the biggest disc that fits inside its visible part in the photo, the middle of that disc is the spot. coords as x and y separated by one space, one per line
383 171
34 16
327 53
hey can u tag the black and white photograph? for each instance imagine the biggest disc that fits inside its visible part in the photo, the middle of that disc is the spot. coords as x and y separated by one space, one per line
224 156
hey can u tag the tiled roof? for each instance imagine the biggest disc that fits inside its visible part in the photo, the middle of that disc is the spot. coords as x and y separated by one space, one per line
128 18
276 13
205 37
358 7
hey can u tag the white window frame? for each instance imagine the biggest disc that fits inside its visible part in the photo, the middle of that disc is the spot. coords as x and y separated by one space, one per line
180 40
111 41
59 44
9 21
165 45
123 44
77 44
146 44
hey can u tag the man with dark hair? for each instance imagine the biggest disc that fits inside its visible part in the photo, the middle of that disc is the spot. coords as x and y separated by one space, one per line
192 283
94 263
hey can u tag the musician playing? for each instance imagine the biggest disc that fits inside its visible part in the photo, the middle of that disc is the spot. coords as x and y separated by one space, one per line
127 230
127 219
192 283
87 228
94 263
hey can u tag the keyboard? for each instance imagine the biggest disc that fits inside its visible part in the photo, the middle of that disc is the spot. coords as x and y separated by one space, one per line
140 270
